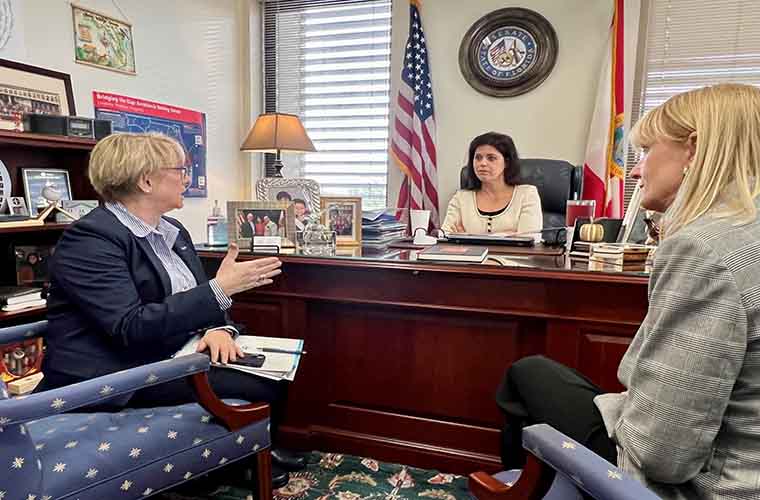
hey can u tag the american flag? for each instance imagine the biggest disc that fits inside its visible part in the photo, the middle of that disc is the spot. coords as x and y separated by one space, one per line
413 132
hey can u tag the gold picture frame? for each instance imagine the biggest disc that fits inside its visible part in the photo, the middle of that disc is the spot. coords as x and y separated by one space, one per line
343 214
103 41
263 214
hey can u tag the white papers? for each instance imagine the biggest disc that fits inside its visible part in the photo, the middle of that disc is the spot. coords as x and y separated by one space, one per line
277 366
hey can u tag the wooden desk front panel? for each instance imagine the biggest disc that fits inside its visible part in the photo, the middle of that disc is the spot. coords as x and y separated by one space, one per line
404 365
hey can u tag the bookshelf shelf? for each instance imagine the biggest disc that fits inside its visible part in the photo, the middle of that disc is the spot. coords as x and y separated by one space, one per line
52 226
6 317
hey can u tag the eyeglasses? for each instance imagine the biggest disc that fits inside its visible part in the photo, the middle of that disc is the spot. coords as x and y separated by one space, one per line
184 171
20 359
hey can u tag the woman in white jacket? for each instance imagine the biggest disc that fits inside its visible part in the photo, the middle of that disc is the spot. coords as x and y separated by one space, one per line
497 202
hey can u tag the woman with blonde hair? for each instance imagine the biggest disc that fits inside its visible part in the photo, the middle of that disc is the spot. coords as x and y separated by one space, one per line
687 425
128 289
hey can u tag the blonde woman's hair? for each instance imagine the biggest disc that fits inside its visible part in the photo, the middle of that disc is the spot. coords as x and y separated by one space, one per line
724 177
119 161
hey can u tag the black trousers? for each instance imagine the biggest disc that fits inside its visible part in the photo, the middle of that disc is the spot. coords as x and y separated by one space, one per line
538 390
227 384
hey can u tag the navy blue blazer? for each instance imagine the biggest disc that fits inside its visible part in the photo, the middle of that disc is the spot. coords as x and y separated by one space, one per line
110 305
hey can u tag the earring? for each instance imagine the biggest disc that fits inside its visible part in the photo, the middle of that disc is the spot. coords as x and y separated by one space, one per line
685 170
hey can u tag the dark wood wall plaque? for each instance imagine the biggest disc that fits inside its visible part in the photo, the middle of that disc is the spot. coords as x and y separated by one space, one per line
508 52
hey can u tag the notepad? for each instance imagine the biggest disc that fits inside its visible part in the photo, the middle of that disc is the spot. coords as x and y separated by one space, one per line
277 366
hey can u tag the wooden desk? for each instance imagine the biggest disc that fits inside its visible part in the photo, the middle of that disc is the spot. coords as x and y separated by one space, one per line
404 358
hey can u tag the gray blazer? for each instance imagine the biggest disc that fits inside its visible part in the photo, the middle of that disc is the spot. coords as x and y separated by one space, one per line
689 424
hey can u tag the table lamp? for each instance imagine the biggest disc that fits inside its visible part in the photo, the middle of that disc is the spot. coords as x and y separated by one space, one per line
276 132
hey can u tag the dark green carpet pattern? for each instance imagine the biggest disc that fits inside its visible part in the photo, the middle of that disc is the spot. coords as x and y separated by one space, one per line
331 476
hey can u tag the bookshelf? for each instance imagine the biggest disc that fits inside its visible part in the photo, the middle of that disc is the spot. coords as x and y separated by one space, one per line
20 150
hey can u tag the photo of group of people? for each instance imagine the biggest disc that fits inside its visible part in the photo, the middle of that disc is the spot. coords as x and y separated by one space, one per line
260 222
341 217
15 101
344 216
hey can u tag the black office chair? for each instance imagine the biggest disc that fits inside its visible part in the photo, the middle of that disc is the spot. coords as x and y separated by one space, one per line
556 181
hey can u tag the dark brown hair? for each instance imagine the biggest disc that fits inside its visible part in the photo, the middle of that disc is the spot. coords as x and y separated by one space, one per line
506 146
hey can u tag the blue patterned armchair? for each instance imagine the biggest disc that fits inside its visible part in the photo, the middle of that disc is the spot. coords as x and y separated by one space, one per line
51 448
558 468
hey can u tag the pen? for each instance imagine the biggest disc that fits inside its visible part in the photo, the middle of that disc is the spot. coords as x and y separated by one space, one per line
280 351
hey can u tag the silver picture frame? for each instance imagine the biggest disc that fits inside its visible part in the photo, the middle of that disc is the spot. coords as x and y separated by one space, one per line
288 190
36 179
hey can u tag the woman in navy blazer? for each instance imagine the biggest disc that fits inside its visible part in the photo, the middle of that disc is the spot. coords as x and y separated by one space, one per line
127 287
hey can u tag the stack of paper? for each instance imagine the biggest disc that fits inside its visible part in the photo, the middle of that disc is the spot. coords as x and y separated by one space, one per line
277 365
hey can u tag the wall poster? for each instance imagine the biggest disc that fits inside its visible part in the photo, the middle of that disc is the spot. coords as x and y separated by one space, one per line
188 127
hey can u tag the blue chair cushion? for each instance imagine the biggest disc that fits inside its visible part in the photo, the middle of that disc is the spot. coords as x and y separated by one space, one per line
136 451
562 488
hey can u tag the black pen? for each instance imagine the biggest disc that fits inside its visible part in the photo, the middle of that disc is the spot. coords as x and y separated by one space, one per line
280 351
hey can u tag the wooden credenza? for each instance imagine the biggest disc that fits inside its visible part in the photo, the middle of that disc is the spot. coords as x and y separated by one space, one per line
404 358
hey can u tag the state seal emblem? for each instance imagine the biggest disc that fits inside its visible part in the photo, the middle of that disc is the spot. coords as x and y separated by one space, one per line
508 52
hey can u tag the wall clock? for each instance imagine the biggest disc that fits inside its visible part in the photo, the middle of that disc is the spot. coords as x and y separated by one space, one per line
508 52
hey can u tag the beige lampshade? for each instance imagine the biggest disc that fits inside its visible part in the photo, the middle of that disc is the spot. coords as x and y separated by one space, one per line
277 131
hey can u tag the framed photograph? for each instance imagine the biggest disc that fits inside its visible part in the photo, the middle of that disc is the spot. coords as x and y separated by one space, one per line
41 182
77 208
29 89
246 219
102 41
32 264
344 216
302 193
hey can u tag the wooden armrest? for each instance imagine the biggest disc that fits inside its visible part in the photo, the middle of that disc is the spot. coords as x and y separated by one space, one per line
533 484
233 417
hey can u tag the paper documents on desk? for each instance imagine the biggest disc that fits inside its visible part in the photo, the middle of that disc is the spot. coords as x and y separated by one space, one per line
277 366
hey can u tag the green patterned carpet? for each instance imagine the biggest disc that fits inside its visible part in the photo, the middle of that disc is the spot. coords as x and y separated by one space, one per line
331 476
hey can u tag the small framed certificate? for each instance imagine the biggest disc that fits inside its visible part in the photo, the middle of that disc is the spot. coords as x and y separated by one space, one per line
42 185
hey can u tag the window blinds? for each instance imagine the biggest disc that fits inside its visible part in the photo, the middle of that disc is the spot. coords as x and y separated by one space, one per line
328 61
690 44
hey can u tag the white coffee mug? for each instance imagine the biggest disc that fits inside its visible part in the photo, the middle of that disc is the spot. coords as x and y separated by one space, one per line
420 219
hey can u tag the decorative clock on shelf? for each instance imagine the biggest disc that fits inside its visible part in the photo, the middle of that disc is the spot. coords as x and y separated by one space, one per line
508 52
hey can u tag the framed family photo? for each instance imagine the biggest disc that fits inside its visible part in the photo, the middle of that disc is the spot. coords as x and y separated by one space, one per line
344 216
302 193
103 41
42 182
30 89
248 219
32 264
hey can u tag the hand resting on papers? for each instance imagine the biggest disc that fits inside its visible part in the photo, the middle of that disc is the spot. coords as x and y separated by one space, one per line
221 346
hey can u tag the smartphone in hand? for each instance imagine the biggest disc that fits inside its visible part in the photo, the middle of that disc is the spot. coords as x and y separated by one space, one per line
251 360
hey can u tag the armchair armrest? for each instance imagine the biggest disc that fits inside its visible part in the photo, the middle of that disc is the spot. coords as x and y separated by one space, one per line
22 332
534 483
590 472
100 389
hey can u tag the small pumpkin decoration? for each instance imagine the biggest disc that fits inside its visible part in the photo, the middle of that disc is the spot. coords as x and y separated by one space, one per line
592 232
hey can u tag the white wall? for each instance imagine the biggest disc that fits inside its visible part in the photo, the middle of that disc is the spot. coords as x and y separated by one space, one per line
195 53
190 53
552 121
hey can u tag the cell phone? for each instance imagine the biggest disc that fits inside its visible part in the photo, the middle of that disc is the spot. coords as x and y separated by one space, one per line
251 360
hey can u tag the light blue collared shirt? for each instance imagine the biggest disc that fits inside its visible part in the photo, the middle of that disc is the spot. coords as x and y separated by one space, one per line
161 240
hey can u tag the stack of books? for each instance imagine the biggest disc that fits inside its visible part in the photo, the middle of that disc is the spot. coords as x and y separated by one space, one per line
618 257
14 298
380 228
